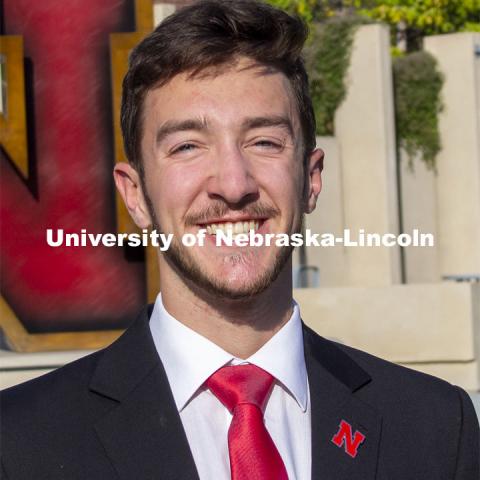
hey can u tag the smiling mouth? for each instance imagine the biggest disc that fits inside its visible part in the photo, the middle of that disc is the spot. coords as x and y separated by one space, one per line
233 228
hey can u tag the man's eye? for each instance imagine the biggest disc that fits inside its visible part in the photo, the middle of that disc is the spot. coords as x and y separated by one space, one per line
267 144
186 147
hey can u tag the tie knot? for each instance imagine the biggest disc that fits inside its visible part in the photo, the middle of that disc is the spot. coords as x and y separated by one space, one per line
236 384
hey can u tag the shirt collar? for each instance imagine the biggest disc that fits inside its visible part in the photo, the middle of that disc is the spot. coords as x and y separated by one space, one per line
189 358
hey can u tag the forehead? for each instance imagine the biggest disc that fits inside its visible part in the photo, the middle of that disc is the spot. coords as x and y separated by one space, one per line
225 95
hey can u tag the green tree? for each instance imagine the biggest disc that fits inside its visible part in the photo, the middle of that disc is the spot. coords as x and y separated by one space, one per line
309 10
327 59
418 84
411 20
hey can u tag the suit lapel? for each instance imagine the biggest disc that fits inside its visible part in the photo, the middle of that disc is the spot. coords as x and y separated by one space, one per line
142 434
334 379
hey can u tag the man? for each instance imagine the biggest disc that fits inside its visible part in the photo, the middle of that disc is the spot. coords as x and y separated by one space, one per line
220 378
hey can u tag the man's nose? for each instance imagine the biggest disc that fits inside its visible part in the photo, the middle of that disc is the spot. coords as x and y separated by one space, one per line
232 177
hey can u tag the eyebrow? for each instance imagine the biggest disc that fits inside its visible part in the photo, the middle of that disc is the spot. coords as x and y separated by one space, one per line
271 121
173 126
201 125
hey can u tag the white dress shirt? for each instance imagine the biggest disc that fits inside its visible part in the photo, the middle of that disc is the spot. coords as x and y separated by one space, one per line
189 360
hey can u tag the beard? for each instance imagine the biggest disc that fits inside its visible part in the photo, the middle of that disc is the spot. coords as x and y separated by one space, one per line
182 261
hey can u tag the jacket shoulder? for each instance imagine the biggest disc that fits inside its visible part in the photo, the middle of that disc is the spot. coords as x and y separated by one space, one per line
412 397
362 371
394 378
73 379
418 406
42 392
49 424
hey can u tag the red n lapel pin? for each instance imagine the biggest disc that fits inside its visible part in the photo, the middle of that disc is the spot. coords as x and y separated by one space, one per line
350 441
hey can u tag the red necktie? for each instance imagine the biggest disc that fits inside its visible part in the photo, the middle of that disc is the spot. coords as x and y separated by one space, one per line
244 390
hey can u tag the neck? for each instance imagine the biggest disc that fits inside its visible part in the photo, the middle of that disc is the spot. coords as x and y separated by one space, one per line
240 327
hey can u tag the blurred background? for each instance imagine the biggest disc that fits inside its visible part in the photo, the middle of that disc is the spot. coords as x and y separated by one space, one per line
396 90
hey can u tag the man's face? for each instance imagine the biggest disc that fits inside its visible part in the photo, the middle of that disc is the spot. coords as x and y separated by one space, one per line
224 151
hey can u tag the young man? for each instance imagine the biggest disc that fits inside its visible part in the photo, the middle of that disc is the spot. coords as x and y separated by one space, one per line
220 379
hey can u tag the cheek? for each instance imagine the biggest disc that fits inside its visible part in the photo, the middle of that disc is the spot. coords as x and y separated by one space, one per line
176 188
284 181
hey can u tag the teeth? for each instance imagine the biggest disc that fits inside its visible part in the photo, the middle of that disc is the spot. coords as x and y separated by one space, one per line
234 228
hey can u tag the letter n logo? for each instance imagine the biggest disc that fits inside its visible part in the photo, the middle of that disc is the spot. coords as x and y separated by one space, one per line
349 441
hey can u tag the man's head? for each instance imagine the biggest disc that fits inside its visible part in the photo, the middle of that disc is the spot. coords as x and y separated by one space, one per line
219 128
213 34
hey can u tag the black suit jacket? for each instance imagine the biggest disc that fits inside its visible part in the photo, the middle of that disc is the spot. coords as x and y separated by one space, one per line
111 415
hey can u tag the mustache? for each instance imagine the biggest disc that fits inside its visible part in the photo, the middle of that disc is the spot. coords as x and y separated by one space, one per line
221 210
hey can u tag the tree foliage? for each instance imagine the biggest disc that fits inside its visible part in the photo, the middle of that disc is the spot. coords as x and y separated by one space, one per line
327 54
327 60
411 20
418 84
431 17
427 17
309 10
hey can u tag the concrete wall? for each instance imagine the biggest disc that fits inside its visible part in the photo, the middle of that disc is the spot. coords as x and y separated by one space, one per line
430 327
458 180
447 203
364 127
360 182
420 210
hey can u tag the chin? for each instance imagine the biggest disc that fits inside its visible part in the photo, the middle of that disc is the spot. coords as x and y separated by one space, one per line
234 290
233 275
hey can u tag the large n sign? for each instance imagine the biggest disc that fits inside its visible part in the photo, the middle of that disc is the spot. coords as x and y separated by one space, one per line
58 145
346 438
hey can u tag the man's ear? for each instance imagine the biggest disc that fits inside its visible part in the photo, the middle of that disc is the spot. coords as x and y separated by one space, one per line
128 184
313 179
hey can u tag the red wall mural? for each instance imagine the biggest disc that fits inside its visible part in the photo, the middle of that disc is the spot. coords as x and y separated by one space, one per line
70 185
